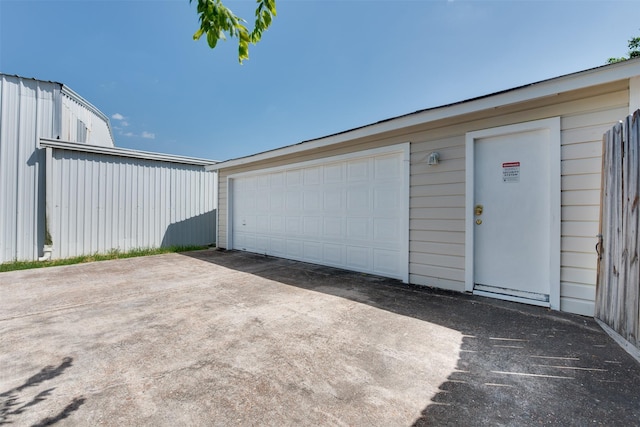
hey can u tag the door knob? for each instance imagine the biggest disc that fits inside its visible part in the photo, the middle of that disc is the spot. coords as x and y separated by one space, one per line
478 210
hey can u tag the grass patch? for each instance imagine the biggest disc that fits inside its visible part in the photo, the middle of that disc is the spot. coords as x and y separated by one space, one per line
112 254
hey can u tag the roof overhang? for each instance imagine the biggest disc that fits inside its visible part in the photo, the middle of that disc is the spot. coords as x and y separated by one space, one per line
123 152
580 80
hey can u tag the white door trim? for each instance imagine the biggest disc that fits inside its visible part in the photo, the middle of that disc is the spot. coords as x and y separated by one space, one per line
553 126
404 148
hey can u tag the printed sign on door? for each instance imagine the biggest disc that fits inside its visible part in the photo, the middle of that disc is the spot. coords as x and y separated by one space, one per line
511 172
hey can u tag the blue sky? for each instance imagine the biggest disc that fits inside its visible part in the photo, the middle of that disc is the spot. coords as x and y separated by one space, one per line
324 66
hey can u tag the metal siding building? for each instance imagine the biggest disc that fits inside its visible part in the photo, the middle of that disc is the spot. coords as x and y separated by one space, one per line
105 199
27 112
98 200
82 122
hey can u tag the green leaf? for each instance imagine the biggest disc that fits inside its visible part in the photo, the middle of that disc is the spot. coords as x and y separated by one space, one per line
212 40
266 17
271 5
217 21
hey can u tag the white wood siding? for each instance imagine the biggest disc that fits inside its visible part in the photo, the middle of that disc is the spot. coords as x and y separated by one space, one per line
581 169
437 197
437 214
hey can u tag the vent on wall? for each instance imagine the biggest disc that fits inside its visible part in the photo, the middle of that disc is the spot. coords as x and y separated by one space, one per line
81 133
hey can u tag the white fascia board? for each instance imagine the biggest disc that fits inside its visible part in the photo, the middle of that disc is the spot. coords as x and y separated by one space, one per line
123 152
580 80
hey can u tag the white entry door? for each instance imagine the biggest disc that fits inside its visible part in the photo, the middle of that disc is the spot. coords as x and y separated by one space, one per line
350 211
514 214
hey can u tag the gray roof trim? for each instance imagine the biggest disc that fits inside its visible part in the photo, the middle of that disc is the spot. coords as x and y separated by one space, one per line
123 152
550 87
30 78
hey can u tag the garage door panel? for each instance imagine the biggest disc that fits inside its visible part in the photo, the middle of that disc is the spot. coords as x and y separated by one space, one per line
247 184
312 251
293 201
312 176
333 173
261 244
358 258
385 262
333 227
387 167
276 179
262 222
294 249
263 181
358 228
247 202
333 200
277 246
294 178
261 201
293 226
245 223
385 230
276 224
333 254
312 226
386 198
348 213
246 241
311 200
276 202
358 200
358 170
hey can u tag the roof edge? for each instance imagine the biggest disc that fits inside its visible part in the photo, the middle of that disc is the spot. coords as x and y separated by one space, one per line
124 152
76 97
29 78
578 80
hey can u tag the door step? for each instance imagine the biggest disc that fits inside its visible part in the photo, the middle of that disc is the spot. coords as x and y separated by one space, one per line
515 295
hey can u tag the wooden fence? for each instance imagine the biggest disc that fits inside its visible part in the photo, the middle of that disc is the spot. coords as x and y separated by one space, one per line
618 290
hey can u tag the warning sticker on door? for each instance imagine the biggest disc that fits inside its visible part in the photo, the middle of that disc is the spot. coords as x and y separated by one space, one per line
511 172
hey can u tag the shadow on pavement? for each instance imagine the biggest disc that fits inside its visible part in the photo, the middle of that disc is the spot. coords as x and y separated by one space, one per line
518 364
12 402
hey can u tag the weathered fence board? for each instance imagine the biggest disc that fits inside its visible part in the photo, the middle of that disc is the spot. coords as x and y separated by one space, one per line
618 291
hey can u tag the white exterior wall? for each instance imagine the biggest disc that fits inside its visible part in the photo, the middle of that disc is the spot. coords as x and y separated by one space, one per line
27 112
78 114
102 202
437 194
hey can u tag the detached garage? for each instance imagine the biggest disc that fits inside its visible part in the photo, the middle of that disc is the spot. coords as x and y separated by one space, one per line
348 211
498 195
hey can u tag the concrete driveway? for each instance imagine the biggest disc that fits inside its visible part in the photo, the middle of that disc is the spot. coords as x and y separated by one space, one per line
228 338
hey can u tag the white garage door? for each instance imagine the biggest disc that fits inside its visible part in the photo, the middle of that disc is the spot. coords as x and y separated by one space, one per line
348 211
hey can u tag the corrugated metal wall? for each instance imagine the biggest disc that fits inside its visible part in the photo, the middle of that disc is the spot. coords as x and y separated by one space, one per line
98 201
82 122
27 113
101 202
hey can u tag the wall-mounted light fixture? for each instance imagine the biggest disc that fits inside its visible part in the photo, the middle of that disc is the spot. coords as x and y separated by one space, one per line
433 159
